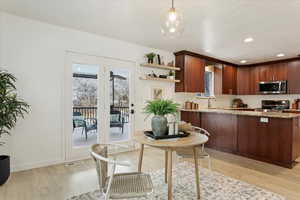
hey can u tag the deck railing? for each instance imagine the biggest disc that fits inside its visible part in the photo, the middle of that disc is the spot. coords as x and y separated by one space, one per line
91 112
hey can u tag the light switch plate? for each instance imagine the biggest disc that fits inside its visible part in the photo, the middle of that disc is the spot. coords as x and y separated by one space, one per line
264 120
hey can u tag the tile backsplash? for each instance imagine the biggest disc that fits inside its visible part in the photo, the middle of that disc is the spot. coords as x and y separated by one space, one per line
219 101
223 101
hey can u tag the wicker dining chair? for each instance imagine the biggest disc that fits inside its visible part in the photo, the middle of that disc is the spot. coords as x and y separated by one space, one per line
202 153
118 185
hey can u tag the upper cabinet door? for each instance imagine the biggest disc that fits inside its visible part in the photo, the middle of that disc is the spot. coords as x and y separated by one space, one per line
243 80
194 74
229 79
254 80
294 77
273 72
265 73
280 71
191 74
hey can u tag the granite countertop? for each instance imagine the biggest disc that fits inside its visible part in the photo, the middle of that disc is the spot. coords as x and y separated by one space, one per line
234 111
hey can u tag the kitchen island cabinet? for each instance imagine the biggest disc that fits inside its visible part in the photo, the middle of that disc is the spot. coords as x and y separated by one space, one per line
268 137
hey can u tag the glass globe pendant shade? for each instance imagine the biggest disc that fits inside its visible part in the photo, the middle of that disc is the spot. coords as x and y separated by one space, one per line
172 23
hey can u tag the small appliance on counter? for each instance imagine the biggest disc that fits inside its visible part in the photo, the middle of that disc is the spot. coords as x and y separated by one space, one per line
189 105
238 103
274 105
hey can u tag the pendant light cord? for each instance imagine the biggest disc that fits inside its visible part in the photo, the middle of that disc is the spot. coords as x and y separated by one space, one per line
172 3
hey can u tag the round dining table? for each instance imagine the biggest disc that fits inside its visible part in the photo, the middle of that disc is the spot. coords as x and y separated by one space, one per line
192 143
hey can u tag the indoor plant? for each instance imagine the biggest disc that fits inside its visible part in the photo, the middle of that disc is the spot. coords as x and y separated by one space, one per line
150 57
171 75
160 108
11 107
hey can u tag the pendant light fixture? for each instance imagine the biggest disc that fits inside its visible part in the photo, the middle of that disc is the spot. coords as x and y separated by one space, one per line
172 23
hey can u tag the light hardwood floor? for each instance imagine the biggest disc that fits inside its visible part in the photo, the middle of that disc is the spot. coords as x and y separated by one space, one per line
61 181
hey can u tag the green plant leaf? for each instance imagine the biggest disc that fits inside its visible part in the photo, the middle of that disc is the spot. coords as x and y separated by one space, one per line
11 107
161 107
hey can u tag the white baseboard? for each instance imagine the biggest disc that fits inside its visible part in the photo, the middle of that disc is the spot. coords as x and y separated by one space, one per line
33 165
27 166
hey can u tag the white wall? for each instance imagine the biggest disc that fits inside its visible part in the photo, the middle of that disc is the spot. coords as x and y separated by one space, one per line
35 52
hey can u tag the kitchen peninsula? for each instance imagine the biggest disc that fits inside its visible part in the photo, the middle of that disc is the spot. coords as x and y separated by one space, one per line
272 137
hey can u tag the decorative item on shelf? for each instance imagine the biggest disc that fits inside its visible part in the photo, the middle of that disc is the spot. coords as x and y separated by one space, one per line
158 59
171 75
160 109
163 76
12 108
150 57
153 75
171 64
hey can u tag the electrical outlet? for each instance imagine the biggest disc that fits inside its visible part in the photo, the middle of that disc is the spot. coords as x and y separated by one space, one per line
264 120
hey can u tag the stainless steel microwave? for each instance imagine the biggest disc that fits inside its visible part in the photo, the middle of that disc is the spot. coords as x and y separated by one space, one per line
273 87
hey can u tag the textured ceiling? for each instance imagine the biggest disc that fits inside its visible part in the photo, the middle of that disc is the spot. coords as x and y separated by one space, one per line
219 26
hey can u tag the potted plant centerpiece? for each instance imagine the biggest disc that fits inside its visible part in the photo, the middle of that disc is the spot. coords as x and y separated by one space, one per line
11 107
160 108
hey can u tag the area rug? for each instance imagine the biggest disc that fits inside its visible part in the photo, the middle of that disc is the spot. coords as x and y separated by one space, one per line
214 186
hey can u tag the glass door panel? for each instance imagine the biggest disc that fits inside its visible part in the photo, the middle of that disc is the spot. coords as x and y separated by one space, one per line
85 97
84 104
120 96
119 130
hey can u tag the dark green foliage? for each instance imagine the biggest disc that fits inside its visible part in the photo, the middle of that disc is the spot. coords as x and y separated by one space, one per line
161 107
150 56
11 107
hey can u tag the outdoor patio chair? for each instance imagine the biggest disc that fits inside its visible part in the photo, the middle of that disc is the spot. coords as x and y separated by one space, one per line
121 185
116 119
87 124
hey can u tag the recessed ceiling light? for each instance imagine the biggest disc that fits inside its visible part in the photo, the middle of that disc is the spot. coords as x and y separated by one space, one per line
280 55
249 39
243 61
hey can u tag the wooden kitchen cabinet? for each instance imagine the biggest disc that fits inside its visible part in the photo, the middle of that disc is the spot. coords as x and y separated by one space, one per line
191 74
243 80
280 71
222 128
269 141
294 77
191 117
229 80
254 80
273 72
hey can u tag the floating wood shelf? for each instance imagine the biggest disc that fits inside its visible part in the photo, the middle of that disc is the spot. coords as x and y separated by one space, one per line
160 66
159 79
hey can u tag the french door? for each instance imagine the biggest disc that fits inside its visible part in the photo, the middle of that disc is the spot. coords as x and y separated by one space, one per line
98 99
